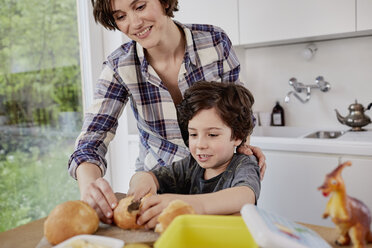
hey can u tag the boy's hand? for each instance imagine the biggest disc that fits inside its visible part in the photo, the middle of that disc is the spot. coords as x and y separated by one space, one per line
257 152
141 184
152 207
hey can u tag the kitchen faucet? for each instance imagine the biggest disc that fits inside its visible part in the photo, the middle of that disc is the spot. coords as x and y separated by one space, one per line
300 88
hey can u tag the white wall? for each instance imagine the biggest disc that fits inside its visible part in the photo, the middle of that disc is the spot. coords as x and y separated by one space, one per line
346 64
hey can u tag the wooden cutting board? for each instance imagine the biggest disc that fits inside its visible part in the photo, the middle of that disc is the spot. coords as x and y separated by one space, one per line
129 236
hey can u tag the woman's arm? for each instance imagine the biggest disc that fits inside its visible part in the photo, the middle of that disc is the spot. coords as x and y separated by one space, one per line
100 122
87 164
226 201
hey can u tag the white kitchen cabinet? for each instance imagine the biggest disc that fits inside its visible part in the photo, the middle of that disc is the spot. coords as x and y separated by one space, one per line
364 15
357 178
275 21
291 181
221 13
290 185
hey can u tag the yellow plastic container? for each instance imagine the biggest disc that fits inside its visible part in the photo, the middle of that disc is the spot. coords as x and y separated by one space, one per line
206 231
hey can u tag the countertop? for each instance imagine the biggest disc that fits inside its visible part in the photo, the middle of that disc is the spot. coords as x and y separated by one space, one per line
31 235
293 139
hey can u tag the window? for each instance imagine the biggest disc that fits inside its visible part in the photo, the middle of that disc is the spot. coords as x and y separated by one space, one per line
40 107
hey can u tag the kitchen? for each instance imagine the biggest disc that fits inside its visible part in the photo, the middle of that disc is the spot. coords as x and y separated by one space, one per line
267 67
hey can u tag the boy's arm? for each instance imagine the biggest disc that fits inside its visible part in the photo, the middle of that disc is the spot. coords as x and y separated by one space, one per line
226 201
169 177
223 202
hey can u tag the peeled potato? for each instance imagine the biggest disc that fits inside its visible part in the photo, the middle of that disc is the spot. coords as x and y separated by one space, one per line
123 218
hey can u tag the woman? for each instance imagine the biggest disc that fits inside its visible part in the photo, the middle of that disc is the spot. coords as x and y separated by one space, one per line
163 59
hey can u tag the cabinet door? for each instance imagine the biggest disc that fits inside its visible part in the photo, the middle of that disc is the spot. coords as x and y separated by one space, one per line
364 15
272 20
290 186
357 179
221 13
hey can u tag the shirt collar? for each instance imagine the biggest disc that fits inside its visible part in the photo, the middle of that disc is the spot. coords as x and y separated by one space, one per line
190 54
142 58
189 57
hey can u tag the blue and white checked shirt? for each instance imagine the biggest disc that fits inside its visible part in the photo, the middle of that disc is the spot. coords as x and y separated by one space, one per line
127 75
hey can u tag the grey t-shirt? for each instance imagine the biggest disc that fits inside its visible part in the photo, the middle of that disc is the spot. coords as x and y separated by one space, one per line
187 177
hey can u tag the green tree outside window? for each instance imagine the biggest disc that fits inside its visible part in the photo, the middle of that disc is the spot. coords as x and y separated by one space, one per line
39 80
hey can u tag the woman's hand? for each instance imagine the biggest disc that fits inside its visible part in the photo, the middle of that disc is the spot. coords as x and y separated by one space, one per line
257 152
100 196
141 184
96 191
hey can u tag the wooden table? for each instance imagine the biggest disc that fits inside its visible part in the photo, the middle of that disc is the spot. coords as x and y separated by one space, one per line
31 234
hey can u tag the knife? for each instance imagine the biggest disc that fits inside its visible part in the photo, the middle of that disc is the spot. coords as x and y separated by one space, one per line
134 206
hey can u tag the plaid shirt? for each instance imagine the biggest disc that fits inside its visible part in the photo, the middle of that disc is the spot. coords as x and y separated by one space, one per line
127 75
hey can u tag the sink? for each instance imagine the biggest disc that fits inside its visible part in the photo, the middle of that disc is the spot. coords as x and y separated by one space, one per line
325 135
280 132
296 132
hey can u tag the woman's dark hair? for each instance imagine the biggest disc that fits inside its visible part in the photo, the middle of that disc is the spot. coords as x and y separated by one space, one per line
102 11
232 102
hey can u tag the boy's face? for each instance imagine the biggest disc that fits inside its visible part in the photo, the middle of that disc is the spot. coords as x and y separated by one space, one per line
143 21
210 142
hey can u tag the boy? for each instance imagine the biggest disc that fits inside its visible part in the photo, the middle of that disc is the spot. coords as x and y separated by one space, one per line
213 179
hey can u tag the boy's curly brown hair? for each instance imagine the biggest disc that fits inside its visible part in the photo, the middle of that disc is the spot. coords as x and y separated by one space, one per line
232 102
102 11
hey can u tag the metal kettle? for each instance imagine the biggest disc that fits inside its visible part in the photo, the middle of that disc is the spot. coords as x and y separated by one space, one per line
356 118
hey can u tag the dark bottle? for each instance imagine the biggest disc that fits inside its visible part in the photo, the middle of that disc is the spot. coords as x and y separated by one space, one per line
277 116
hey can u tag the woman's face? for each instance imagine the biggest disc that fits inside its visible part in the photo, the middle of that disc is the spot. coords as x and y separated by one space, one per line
143 21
